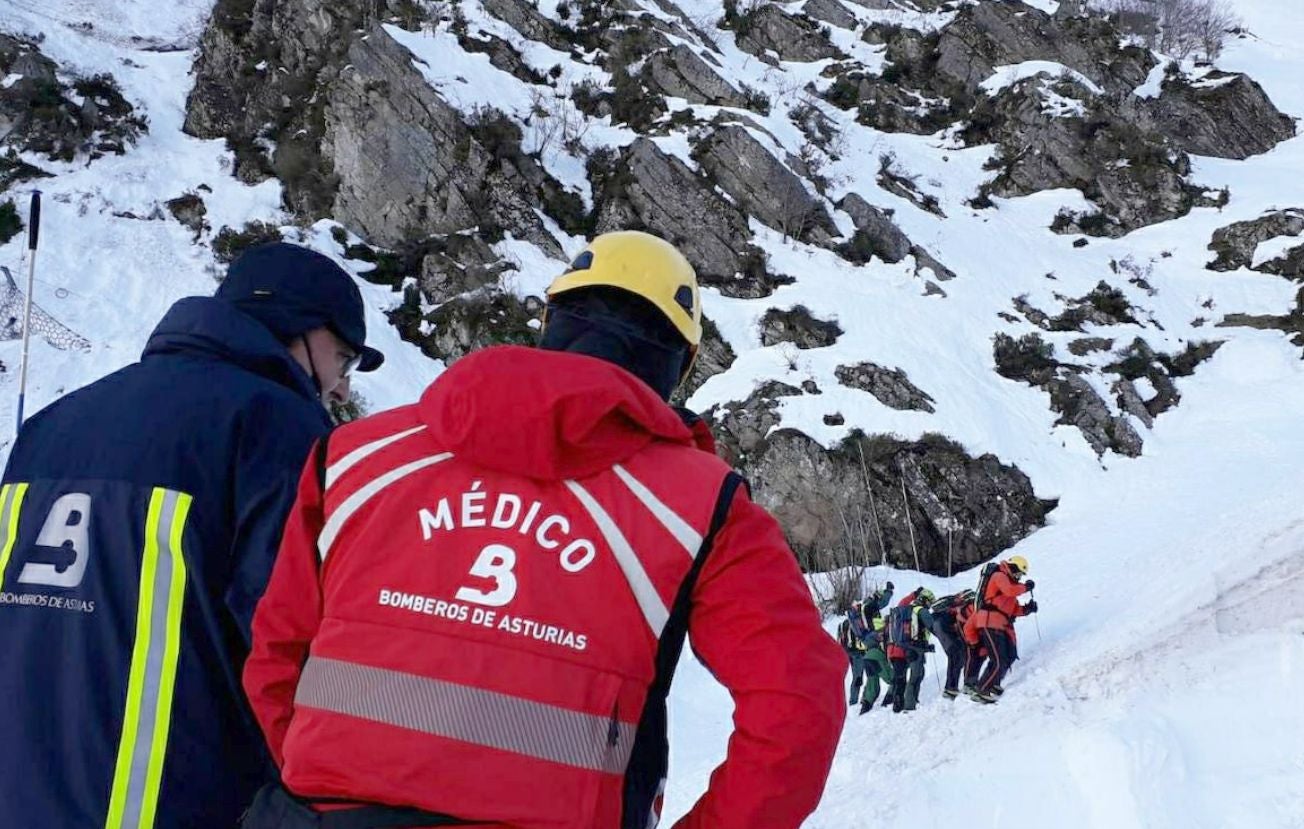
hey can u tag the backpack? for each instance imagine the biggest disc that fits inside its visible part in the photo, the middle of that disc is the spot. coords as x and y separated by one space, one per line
898 625
950 605
979 598
845 636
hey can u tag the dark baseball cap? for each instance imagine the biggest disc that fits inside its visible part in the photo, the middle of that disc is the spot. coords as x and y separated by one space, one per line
292 290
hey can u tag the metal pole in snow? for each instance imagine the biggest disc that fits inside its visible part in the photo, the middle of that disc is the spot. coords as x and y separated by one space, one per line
1035 620
33 233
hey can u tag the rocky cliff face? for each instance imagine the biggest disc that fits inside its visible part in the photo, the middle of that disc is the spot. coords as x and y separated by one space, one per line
335 99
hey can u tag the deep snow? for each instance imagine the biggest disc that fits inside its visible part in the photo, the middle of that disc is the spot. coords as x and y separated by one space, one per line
1162 687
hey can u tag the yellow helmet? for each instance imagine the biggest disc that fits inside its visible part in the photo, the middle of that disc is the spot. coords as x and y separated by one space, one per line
1018 563
644 265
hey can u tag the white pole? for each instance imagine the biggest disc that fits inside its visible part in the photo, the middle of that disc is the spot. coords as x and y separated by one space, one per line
905 504
33 232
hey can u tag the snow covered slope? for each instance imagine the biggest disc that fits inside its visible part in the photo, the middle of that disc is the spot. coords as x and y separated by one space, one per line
1162 687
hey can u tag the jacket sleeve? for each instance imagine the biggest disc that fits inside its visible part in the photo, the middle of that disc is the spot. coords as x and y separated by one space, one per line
287 618
1007 595
755 626
270 450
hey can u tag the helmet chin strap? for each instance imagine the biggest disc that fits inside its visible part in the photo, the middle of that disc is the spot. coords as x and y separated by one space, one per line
312 373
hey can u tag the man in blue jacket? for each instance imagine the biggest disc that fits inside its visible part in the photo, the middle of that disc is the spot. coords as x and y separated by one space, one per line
139 519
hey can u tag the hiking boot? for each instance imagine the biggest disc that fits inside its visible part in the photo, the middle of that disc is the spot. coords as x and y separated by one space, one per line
986 698
996 690
866 705
970 691
950 693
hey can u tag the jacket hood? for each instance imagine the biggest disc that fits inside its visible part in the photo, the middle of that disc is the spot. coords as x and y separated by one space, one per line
207 327
545 414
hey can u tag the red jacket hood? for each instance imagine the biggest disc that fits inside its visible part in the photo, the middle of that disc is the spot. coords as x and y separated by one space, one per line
546 414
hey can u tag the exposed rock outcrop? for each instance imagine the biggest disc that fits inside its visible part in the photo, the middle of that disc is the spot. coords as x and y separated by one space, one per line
846 504
767 28
679 72
878 236
1236 244
1222 114
799 327
891 386
714 356
984 36
762 185
41 113
656 191
1136 177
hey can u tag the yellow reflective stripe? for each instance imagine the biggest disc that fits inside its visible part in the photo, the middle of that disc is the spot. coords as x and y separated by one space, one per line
139 655
11 505
138 771
176 601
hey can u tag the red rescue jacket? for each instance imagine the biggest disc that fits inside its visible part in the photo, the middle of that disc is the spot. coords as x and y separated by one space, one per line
480 614
1000 602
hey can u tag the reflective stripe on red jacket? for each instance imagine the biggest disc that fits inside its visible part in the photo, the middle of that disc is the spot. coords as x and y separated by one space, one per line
482 615
1000 604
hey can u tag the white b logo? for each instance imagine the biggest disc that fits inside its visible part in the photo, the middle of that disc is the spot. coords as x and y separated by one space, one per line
494 562
67 529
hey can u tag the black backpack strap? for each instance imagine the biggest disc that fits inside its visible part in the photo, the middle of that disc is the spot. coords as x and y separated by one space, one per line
319 456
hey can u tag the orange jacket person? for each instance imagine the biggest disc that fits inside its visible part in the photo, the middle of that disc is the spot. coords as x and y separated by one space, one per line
992 623
481 598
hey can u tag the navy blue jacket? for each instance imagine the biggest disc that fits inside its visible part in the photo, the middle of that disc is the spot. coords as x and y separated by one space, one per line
139 520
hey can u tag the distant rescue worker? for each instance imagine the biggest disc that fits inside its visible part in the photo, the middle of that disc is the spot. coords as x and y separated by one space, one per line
949 615
908 626
482 597
140 517
997 606
861 636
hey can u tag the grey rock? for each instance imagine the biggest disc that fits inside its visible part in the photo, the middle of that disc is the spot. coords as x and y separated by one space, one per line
407 163
658 192
845 505
1223 115
714 356
892 387
986 35
883 237
189 209
465 264
1129 400
680 73
39 112
1136 177
1081 406
769 28
1087 345
1291 323
1235 244
830 11
468 323
799 327
527 19
762 185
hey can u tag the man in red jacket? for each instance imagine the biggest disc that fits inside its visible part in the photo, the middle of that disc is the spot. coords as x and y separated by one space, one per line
992 623
481 598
